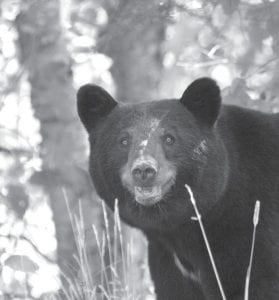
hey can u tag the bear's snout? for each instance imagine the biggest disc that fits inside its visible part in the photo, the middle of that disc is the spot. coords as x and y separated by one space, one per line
144 171
144 174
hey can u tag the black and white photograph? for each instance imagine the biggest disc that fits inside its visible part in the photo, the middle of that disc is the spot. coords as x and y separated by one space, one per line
139 149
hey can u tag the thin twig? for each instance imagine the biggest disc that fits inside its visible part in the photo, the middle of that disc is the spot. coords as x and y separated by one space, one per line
36 249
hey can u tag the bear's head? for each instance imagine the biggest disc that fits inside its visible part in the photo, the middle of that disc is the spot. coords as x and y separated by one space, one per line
144 154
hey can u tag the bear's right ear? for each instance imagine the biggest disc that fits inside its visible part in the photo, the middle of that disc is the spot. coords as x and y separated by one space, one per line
94 103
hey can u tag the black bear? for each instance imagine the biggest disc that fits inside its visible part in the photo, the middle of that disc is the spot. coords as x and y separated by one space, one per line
144 154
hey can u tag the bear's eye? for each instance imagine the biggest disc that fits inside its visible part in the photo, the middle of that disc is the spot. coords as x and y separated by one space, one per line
169 139
124 141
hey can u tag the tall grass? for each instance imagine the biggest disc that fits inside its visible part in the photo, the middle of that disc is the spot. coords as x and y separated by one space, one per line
116 261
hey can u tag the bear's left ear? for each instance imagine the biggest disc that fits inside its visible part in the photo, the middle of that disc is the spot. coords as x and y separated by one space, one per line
203 99
94 103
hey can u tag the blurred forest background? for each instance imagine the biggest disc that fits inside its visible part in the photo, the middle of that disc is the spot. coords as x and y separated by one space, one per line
56 239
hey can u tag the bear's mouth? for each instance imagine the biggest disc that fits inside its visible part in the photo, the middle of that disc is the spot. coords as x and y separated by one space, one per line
148 196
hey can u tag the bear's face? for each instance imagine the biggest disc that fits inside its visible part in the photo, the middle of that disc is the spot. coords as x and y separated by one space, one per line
144 154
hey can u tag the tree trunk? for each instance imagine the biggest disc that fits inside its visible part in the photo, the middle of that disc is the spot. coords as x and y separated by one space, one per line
44 54
134 40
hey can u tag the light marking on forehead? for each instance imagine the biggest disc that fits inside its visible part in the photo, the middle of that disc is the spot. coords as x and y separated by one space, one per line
143 143
152 127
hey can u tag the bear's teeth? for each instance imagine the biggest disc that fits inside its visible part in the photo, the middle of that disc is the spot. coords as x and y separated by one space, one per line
147 192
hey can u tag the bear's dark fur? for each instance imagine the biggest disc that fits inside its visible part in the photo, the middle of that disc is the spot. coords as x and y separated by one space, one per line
144 154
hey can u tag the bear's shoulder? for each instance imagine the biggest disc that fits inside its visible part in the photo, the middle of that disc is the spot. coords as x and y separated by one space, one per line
242 121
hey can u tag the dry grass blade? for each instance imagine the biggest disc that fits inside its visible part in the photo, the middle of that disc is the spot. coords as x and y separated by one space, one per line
193 201
255 223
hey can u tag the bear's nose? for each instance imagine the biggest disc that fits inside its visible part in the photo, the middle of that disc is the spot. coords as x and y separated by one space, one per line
144 174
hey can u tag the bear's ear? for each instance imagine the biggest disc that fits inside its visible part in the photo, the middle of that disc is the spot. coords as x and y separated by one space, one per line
203 99
94 103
